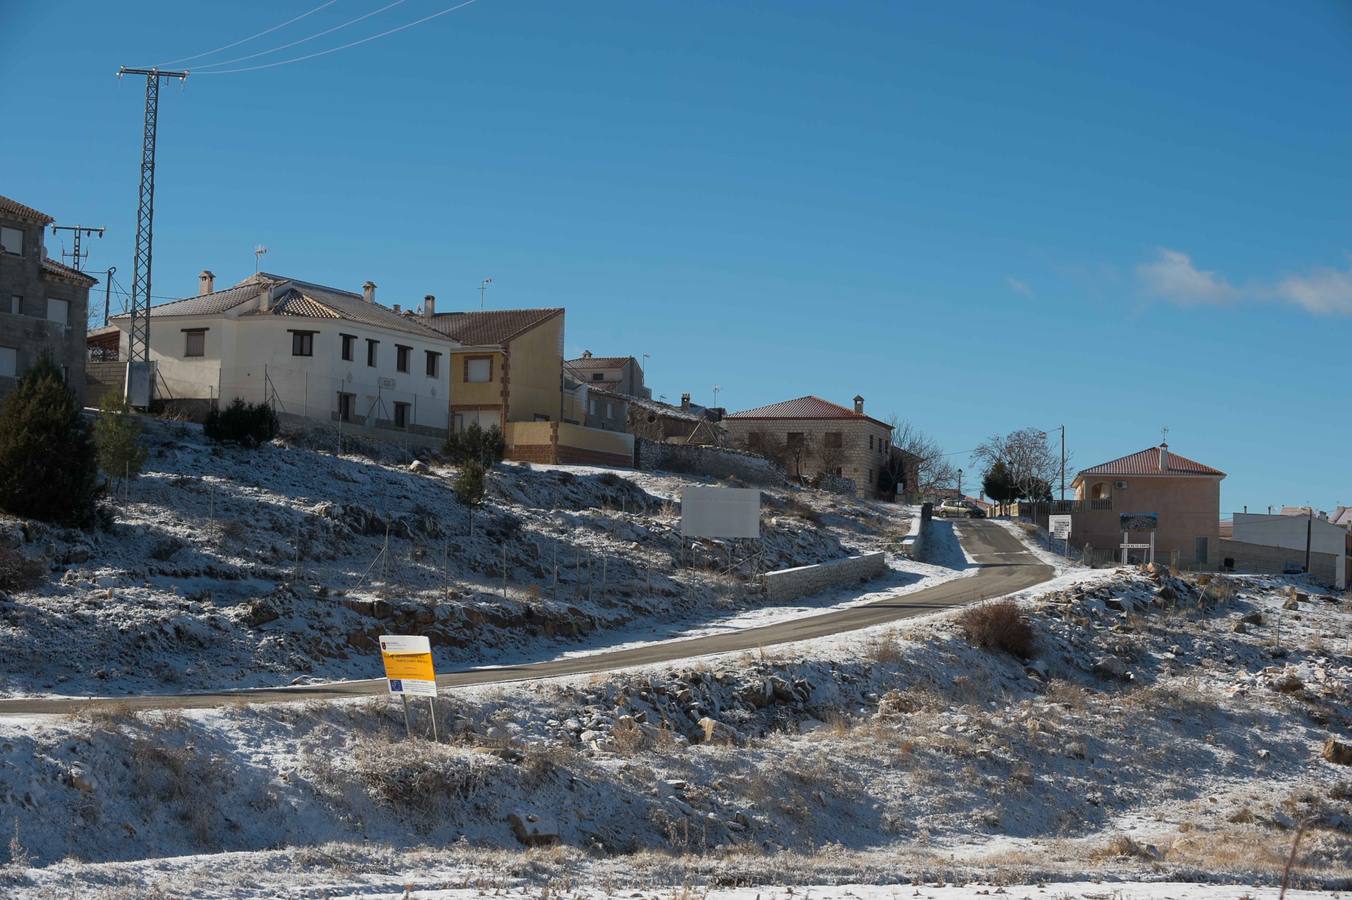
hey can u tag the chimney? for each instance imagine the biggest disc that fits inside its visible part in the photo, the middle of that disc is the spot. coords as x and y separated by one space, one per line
429 306
1164 457
368 292
206 282
265 298
858 405
586 354
397 310
685 402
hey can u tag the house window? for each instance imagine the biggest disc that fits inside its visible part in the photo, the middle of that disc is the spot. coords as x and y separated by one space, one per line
870 442
610 410
794 439
16 304
433 363
194 342
349 345
592 406
541 417
479 369
302 343
832 440
11 241
58 311
371 345
598 376
9 362
400 415
401 357
346 403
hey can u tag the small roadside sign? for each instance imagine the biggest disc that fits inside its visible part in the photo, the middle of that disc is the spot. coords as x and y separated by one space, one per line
1059 527
408 665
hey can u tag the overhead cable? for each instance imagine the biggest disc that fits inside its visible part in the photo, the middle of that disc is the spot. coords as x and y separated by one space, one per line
174 62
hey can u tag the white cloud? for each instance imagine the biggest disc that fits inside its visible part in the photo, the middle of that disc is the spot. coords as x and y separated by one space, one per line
1017 286
1172 275
1322 292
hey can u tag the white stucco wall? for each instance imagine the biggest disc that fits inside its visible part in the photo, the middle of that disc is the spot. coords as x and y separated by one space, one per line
250 357
1290 532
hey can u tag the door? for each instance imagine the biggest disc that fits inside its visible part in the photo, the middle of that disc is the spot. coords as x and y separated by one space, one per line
1202 554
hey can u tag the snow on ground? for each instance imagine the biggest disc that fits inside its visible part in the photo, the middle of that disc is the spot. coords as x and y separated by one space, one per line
1165 730
235 568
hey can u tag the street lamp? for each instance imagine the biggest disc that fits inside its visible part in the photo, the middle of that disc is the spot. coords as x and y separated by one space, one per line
959 484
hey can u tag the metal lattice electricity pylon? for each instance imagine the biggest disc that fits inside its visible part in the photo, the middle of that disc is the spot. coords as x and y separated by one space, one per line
138 338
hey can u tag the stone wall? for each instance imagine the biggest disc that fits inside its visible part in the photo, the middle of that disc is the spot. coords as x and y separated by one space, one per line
798 582
699 459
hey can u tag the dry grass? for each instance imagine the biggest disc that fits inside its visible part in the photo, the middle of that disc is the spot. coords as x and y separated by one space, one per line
885 648
1000 625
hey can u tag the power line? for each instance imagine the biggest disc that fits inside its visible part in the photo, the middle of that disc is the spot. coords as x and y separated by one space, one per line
226 62
449 9
174 62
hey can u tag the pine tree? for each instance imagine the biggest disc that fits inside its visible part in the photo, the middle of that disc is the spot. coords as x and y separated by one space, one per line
470 489
48 462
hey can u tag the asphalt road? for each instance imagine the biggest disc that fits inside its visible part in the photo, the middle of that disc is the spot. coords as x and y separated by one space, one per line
1005 566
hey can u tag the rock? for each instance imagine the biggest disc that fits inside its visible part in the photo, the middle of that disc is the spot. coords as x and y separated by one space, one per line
260 612
1288 684
1239 628
418 467
1292 603
894 704
1337 752
1115 603
532 829
1253 618
716 732
1110 667
589 735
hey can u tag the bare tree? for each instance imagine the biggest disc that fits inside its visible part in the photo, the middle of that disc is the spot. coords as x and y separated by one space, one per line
934 469
771 446
1028 457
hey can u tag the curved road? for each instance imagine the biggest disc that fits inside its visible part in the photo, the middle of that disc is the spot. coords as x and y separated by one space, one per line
1005 565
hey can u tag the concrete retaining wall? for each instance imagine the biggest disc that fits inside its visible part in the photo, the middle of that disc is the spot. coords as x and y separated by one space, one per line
789 583
1274 560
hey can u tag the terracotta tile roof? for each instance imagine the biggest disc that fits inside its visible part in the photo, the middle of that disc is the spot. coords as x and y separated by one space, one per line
298 298
808 407
15 208
62 270
1147 462
490 327
598 362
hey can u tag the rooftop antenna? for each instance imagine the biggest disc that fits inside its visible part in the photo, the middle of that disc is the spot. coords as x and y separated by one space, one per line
483 286
75 255
258 257
138 335
717 388
1164 434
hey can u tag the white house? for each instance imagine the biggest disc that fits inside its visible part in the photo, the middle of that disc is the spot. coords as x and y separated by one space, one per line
314 352
1267 543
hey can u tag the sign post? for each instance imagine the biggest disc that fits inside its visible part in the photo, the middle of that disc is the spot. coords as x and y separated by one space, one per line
409 670
1130 522
1058 526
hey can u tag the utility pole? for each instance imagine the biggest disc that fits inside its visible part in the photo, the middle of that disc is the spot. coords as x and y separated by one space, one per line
75 255
1063 462
138 337
107 288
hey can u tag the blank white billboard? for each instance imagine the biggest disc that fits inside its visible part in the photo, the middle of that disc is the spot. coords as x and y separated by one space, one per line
720 512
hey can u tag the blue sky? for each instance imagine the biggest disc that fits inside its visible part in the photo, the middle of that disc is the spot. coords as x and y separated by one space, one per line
980 216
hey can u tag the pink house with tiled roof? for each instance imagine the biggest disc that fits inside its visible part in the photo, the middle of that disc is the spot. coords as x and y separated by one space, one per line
1184 495
810 436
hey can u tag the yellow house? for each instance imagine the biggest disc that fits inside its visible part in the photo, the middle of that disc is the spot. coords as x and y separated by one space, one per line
509 369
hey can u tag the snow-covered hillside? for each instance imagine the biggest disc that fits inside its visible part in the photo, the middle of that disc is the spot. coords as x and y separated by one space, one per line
1165 730
228 567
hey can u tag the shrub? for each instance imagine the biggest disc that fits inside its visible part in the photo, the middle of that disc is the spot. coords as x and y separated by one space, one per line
998 626
18 573
246 424
117 435
475 444
469 485
48 463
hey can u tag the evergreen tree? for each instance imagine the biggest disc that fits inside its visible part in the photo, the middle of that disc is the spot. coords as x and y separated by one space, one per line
48 462
999 484
470 489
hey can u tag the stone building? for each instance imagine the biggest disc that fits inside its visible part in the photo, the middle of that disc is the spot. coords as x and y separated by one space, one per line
621 374
43 304
811 437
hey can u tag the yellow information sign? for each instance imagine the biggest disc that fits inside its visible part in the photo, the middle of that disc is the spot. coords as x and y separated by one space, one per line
408 664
